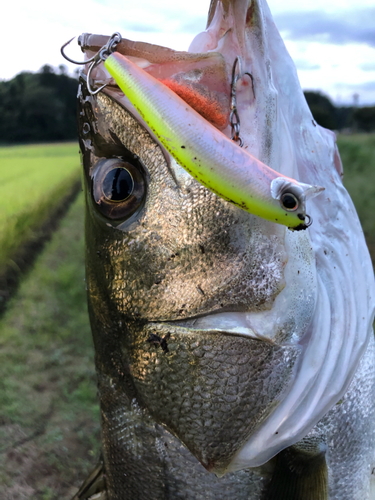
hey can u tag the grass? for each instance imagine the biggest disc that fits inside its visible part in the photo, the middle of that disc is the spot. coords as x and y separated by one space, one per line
34 180
49 416
358 157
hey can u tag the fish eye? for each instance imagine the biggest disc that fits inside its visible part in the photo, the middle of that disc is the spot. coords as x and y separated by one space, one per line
289 202
118 187
118 184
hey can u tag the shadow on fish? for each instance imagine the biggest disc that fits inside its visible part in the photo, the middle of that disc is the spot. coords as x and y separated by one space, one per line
233 335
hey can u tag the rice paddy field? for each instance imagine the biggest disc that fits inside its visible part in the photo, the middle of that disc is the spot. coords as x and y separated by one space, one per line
49 416
34 180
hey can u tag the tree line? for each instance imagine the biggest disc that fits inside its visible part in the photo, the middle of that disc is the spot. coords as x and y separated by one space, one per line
38 107
41 107
351 118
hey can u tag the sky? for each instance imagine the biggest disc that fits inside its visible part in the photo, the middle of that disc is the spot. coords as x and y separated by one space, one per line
332 42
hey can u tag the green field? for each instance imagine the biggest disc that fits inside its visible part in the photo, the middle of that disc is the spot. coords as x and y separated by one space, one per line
358 157
49 416
34 181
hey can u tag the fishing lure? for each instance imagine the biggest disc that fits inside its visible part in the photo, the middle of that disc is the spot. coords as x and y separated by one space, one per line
203 150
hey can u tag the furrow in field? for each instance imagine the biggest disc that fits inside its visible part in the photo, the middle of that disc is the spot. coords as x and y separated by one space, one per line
38 183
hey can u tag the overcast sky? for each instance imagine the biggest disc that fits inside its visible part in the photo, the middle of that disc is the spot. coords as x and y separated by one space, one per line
331 41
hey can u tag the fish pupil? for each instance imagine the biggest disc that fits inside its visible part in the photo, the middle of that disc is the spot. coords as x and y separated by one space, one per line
289 201
118 184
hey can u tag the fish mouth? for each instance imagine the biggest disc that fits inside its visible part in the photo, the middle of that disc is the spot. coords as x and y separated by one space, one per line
238 324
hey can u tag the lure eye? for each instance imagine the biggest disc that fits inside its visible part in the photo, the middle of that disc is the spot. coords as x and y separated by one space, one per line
118 187
289 202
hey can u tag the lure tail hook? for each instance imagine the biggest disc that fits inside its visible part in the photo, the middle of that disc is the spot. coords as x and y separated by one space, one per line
96 59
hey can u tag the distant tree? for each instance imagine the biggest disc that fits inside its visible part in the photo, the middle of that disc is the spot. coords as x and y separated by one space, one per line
344 115
322 109
37 107
339 118
46 69
63 69
364 118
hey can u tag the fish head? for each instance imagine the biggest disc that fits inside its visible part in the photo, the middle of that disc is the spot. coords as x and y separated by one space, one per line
216 322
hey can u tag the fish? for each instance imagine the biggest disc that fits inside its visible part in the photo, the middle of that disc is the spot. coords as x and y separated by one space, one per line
234 356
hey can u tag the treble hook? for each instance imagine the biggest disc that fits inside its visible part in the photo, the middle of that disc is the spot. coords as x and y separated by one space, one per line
71 60
96 59
234 116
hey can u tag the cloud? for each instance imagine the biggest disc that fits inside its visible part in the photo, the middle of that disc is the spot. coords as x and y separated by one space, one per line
172 24
304 65
366 86
345 27
190 25
143 28
357 87
367 66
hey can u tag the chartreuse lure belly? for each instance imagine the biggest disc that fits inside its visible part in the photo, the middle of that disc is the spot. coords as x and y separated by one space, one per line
208 155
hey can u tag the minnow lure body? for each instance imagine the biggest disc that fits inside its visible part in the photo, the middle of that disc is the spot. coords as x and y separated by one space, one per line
207 154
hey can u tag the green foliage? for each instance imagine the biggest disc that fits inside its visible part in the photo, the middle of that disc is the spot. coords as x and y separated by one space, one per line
38 107
49 433
364 118
34 180
358 157
322 109
338 118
